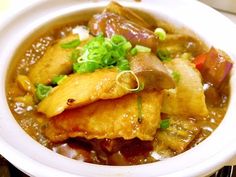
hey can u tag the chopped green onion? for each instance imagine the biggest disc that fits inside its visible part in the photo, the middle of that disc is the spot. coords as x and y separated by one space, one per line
42 91
58 79
85 67
141 48
165 123
127 46
123 85
160 32
102 52
141 87
139 104
123 65
71 44
164 55
118 40
133 51
176 76
75 55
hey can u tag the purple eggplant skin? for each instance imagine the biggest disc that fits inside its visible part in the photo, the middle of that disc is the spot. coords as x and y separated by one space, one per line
151 72
110 23
216 67
127 13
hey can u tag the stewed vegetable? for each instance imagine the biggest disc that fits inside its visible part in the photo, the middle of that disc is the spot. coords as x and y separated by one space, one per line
118 90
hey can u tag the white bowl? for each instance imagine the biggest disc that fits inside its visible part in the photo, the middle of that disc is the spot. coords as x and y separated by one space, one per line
36 160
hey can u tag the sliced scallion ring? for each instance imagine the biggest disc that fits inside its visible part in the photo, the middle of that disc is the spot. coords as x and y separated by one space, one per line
122 85
160 32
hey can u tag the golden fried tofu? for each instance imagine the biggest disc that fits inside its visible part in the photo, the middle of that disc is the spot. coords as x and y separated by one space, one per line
82 89
188 97
133 115
54 62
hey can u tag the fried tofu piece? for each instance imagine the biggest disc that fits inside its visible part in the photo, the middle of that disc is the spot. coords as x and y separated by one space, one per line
188 97
55 61
178 135
111 119
82 89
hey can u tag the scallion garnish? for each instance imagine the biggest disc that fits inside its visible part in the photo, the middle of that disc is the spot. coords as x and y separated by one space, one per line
118 40
58 79
133 51
102 52
84 67
127 46
123 65
165 123
164 55
160 32
141 48
139 104
71 44
126 74
141 87
42 91
75 55
176 76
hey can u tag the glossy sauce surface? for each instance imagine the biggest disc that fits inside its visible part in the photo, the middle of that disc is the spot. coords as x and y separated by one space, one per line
105 151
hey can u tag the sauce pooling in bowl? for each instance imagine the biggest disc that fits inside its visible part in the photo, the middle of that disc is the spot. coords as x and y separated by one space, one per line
124 94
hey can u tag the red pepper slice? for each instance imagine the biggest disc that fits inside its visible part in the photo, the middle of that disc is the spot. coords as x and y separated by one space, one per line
200 60
214 66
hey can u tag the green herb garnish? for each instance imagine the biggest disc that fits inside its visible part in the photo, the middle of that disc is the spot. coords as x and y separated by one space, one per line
141 48
165 123
139 104
141 87
71 44
176 76
118 40
85 67
164 55
58 79
42 91
75 55
160 32
103 52
123 65
133 51
127 46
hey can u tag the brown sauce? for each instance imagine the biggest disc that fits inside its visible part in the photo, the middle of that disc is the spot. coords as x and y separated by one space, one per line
105 151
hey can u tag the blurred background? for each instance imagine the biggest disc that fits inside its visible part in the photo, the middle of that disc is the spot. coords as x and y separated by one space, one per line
7 7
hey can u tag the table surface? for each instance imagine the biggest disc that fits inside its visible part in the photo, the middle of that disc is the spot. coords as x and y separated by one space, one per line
6 169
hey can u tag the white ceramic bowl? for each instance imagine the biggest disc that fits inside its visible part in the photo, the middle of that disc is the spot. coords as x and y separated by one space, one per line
36 160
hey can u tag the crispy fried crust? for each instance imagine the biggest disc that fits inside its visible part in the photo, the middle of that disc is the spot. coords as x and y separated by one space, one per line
109 119
82 89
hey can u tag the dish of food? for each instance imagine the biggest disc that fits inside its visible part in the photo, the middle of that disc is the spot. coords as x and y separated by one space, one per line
118 90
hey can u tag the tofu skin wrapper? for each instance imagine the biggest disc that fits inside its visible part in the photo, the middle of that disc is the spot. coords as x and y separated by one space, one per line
115 118
84 88
56 61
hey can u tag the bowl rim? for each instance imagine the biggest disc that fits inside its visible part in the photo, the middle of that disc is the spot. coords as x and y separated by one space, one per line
31 164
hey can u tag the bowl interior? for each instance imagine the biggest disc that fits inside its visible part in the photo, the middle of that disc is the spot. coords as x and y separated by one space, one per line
18 147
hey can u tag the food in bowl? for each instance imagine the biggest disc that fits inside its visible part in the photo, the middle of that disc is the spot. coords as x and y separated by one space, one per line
117 90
